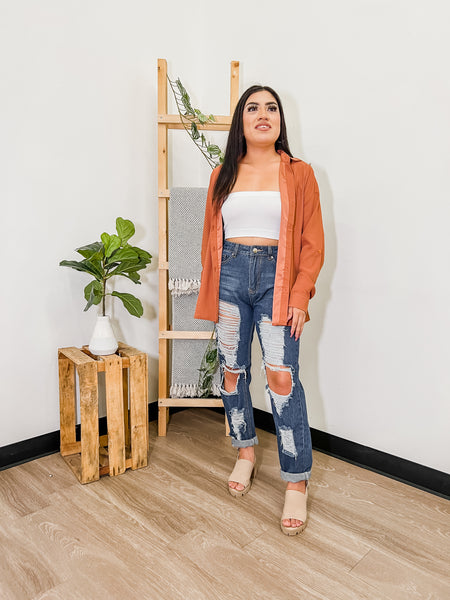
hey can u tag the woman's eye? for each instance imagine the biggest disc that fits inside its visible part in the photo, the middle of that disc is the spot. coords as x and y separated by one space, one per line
251 108
273 108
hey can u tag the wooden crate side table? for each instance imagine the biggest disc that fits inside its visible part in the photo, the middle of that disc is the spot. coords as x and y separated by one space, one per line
126 380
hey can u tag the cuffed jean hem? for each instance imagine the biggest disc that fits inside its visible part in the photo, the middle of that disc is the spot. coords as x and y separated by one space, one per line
295 477
244 443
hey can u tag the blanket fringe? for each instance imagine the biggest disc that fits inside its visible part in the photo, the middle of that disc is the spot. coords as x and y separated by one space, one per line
183 287
190 390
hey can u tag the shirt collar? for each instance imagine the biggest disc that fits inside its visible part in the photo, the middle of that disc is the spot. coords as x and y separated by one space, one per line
286 158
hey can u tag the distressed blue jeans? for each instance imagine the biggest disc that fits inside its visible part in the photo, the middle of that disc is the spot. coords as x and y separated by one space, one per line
245 302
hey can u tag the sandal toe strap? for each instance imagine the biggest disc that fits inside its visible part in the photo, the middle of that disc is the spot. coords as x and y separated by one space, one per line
295 505
242 471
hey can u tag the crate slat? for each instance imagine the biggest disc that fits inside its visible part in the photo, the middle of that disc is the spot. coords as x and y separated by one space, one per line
67 407
139 412
114 409
89 421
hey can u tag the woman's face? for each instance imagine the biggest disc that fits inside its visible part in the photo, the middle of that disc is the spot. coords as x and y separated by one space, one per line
261 119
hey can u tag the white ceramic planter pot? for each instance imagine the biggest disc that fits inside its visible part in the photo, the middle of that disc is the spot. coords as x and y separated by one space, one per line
103 340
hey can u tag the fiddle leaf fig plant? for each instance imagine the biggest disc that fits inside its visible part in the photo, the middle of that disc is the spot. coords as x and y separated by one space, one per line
112 256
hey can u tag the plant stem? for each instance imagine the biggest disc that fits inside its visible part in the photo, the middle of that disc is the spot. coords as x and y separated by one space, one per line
104 294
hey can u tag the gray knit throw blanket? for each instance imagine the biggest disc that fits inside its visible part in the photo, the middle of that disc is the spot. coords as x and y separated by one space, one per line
186 214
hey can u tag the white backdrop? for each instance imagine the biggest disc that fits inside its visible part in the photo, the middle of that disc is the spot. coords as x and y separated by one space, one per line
366 93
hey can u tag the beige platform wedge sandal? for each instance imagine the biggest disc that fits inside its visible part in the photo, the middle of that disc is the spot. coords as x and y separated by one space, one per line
295 508
242 473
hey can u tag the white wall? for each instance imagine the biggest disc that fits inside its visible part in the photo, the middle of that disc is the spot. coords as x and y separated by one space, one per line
366 93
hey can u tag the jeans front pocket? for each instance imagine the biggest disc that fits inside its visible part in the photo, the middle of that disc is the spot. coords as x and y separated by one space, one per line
227 256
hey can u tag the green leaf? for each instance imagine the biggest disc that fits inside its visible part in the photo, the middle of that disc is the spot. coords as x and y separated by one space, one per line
202 118
125 229
112 243
180 86
211 356
213 150
94 250
186 100
127 253
135 277
143 254
194 131
137 267
212 118
83 265
105 237
93 293
131 303
125 266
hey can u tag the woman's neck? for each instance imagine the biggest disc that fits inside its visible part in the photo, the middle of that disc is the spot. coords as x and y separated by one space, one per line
259 156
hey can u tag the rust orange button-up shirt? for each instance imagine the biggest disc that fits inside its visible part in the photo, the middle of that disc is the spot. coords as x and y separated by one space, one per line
300 245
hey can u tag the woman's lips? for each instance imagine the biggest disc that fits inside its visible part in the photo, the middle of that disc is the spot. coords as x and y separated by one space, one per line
263 126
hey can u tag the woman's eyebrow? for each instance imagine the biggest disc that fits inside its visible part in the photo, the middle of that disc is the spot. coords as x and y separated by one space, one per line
257 103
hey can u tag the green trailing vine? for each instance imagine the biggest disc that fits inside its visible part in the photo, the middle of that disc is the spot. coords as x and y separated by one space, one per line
207 369
192 117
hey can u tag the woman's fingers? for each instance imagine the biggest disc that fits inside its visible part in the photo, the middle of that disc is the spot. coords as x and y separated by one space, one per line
298 317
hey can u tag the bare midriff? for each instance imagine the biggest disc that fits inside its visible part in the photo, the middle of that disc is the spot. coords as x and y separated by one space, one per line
253 241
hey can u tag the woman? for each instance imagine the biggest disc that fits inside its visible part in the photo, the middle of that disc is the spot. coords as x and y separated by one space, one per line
262 251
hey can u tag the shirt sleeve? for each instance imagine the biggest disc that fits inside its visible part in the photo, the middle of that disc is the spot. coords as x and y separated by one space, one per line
208 215
312 246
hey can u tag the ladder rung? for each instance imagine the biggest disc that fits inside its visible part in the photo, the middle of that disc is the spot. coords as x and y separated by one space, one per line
220 120
201 402
185 335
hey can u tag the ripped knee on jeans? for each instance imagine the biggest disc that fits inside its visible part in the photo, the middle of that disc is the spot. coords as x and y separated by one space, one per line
230 378
280 385
279 379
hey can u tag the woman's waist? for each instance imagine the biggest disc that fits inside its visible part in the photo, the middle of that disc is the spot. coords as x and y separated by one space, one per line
251 246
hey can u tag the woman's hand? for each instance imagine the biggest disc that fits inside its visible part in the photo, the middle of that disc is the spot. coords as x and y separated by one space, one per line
298 317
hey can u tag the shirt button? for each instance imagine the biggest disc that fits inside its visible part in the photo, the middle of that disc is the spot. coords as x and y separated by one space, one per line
255 250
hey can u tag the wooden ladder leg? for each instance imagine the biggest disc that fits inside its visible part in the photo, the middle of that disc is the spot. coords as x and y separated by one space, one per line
139 410
163 419
89 418
114 410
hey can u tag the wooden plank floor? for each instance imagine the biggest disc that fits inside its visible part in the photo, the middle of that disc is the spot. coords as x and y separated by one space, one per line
172 531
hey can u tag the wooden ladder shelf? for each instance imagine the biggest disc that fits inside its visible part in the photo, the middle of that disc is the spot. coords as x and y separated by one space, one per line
166 122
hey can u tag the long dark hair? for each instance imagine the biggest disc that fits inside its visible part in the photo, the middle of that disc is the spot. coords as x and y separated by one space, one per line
237 146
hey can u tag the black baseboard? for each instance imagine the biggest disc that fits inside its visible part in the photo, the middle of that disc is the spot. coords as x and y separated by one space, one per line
426 478
43 445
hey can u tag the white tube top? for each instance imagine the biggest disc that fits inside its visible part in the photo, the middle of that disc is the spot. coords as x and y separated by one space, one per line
252 214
